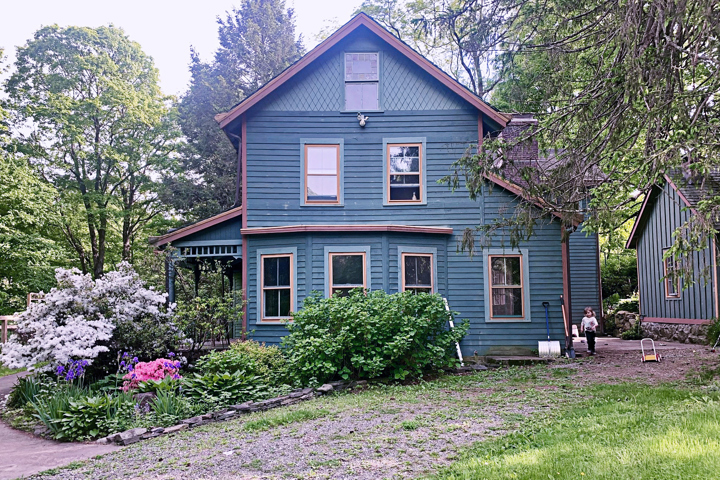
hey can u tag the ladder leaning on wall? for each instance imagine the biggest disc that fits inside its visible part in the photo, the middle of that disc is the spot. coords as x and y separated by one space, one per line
452 327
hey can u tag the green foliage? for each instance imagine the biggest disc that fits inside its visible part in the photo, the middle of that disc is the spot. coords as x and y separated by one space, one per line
635 333
713 331
169 407
166 385
266 362
619 274
222 389
92 416
26 389
101 132
369 335
619 432
257 42
206 317
631 305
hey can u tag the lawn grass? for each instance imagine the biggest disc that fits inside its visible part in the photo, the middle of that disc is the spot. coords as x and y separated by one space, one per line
619 432
282 417
4 371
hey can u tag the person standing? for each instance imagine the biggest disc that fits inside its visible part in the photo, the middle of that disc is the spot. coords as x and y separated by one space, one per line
589 326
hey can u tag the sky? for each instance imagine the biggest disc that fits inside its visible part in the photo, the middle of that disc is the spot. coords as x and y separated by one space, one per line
164 28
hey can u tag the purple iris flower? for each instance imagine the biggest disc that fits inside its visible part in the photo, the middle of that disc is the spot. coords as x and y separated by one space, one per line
60 370
171 354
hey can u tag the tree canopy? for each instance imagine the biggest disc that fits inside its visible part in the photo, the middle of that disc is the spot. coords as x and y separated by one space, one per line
100 131
257 42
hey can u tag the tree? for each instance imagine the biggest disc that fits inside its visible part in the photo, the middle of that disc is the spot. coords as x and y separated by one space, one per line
100 131
257 42
625 92
30 240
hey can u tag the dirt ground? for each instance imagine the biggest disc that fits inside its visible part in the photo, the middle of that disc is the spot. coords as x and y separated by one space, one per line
619 360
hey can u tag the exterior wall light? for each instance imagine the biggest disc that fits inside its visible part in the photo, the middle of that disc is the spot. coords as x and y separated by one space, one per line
362 119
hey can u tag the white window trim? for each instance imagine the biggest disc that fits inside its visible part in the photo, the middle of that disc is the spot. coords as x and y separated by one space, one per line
420 251
349 250
379 82
259 293
526 284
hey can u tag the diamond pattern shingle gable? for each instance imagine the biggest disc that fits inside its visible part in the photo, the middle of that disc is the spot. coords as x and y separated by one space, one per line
318 90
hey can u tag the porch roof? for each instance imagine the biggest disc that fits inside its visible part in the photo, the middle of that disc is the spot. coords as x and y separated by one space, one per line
196 227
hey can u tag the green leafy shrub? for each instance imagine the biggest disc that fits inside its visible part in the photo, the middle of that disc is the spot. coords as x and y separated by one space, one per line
26 389
169 407
206 317
222 389
635 333
267 362
713 331
631 305
370 335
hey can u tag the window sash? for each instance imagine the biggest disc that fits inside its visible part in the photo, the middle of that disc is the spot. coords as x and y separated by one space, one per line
320 199
496 288
669 267
397 187
346 287
415 287
276 288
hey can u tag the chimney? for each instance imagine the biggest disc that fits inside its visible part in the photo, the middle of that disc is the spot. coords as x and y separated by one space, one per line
525 153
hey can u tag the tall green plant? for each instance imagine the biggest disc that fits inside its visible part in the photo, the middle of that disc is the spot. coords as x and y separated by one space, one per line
367 335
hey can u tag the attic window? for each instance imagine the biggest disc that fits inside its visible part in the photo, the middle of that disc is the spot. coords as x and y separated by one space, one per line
361 82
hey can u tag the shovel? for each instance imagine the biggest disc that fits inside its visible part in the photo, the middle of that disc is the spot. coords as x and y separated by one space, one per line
549 348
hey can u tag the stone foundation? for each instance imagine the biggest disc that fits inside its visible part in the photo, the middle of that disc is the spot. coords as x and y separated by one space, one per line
674 332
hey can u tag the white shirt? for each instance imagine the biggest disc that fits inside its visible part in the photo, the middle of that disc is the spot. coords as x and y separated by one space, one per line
589 324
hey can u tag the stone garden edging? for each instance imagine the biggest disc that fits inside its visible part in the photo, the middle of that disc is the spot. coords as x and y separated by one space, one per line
135 435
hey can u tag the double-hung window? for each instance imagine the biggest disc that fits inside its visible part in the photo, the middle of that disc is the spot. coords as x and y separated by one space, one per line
404 173
417 272
362 87
277 287
322 174
672 279
347 271
506 286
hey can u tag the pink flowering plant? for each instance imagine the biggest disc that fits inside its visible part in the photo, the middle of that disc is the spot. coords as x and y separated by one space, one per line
157 370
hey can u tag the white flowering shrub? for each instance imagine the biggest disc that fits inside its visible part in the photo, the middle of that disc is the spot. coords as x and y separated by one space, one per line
92 320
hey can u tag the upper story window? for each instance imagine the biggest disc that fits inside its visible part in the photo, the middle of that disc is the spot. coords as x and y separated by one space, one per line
417 272
322 179
404 173
362 87
672 279
506 286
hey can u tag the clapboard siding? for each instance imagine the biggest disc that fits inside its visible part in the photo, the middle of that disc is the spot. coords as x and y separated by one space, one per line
585 291
229 230
697 301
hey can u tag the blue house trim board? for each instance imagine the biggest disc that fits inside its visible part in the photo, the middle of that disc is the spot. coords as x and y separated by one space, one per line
422 106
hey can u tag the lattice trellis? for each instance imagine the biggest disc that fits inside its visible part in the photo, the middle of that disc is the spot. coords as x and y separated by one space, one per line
209 251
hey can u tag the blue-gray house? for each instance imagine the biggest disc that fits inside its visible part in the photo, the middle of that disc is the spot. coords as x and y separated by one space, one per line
664 296
332 199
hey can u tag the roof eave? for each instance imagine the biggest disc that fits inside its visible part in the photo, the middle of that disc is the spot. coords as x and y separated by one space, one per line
195 227
224 119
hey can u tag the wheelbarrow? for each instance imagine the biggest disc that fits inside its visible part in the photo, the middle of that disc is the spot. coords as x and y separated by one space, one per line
649 357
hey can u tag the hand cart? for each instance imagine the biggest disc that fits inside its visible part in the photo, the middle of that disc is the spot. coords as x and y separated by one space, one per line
649 357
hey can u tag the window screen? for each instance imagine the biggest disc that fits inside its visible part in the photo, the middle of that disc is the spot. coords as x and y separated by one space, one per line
404 175
418 273
321 173
506 286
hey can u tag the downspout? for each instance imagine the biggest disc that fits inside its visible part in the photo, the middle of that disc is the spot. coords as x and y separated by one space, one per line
242 169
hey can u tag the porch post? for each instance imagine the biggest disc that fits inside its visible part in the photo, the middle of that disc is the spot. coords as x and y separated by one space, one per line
170 279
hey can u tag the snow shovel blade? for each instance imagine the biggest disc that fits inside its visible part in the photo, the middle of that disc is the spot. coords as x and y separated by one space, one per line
549 349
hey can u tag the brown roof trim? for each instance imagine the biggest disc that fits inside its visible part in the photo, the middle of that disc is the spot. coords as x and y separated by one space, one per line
347 228
678 321
361 19
631 242
679 192
196 227
520 192
631 239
